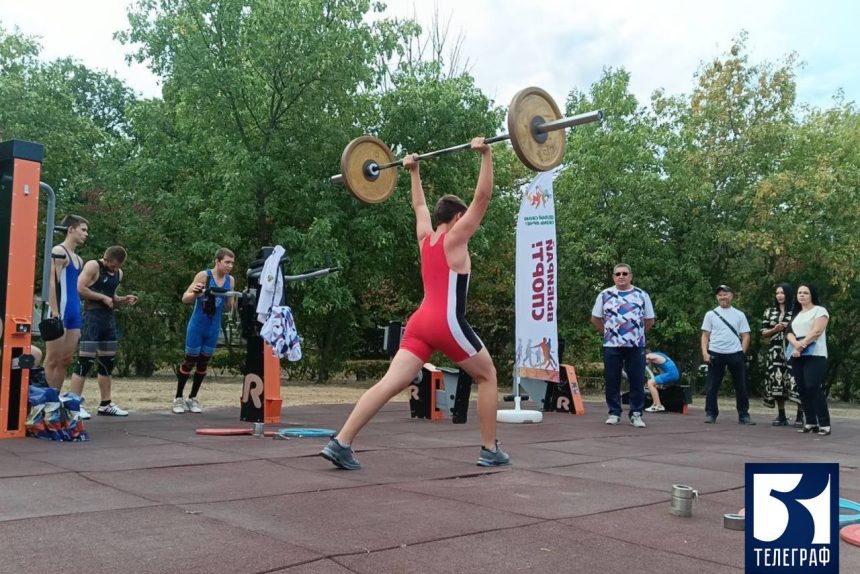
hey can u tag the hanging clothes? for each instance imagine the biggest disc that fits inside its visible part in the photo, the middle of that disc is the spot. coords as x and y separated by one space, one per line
271 284
280 332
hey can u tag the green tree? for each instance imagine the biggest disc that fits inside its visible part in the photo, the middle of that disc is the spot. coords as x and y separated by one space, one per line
610 207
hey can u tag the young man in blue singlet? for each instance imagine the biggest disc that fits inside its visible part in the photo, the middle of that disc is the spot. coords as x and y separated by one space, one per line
201 336
63 299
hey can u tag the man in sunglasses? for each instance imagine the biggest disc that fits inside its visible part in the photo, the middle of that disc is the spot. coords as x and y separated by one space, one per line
622 315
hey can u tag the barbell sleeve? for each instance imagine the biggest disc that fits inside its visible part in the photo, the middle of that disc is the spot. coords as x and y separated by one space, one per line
572 121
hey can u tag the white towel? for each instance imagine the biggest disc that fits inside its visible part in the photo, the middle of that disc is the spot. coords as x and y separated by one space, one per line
271 284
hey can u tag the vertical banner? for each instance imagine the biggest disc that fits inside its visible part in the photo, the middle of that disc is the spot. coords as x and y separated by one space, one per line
536 330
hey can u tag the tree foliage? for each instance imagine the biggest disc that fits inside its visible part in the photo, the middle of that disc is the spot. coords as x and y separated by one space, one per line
733 182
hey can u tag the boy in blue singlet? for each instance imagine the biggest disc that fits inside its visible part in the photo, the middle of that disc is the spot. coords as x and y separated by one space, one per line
667 374
201 336
64 301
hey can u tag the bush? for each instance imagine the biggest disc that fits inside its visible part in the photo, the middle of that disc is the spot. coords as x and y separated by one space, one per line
226 360
367 369
148 337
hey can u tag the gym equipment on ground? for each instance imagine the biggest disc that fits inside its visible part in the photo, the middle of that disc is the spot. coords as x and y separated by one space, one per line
261 387
734 521
438 392
20 170
851 534
231 432
853 514
303 432
682 500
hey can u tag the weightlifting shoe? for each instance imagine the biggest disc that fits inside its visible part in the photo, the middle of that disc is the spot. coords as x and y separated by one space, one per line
339 455
496 457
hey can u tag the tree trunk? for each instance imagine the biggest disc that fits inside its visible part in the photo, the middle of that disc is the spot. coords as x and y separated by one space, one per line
264 232
323 373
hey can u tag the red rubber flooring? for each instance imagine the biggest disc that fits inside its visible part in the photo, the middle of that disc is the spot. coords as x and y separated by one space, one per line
147 495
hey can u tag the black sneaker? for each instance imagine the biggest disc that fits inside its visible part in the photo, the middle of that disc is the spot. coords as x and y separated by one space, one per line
496 457
709 420
779 422
746 421
339 455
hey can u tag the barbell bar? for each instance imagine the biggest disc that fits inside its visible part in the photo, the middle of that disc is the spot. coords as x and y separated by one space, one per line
535 128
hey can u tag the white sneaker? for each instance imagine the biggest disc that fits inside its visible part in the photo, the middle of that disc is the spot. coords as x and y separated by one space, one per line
636 421
111 410
613 420
179 405
655 409
194 405
85 414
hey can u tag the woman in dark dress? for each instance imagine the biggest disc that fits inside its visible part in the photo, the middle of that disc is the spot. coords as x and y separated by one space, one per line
779 384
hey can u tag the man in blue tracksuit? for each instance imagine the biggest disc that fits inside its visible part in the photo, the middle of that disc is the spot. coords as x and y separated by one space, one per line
201 336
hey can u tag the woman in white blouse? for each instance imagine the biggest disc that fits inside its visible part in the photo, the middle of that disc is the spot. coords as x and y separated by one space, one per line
808 340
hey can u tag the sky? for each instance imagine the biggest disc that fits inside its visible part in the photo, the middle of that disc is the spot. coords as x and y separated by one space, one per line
558 45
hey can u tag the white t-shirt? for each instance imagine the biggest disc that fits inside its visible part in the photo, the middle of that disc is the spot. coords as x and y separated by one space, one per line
803 323
722 339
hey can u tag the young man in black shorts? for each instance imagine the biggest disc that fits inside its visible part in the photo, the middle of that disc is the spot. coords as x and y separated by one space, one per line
97 286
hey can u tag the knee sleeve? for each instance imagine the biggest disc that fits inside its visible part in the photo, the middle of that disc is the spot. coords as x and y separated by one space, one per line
84 366
188 364
202 364
106 364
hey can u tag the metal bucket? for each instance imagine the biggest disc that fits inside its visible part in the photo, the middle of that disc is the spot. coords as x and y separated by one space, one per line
682 500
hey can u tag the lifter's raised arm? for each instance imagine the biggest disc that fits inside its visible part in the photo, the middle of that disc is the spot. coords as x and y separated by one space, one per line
471 220
423 223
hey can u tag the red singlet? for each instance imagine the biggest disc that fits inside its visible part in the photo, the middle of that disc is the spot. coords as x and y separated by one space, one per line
440 324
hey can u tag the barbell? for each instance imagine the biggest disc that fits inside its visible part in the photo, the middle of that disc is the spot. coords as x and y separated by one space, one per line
535 128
